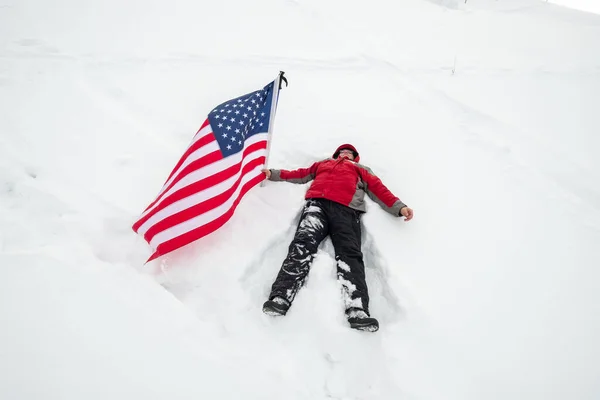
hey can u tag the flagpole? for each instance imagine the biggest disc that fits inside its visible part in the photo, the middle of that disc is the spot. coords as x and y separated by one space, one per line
276 87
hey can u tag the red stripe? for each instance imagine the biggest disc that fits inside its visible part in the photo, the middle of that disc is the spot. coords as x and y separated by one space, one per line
202 207
194 146
193 166
204 124
203 230
190 190
201 184
203 141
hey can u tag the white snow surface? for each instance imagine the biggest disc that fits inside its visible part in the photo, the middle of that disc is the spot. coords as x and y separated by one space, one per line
592 6
483 117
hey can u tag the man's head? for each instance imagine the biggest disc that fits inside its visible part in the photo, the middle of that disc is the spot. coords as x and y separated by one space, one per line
347 151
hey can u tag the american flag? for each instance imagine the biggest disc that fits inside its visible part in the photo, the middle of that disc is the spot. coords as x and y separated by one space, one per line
223 161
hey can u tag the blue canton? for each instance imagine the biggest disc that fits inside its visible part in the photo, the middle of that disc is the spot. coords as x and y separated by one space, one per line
236 120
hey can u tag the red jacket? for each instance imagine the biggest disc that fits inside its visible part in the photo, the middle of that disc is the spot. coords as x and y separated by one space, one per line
344 181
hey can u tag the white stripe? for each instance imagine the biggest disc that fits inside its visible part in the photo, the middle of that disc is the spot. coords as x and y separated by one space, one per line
206 171
205 218
209 170
201 133
198 197
201 152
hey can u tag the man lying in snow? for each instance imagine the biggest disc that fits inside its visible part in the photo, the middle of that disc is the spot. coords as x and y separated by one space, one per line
334 204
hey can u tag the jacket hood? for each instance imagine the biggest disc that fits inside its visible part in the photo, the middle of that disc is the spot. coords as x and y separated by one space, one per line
347 146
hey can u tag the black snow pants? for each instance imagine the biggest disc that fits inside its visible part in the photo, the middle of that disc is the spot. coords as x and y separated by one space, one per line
321 217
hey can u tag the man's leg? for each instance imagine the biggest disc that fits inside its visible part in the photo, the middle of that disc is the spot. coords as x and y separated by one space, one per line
346 237
312 229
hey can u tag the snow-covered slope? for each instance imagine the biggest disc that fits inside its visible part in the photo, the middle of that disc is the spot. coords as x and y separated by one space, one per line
590 6
481 116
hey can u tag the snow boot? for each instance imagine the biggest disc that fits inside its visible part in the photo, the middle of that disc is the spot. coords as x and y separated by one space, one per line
360 320
276 306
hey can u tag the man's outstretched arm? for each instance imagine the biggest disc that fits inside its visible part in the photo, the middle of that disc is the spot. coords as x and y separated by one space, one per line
301 175
381 195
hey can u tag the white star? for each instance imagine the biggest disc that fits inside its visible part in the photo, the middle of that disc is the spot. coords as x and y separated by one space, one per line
228 147
226 105
261 124
217 116
249 108
228 128
237 112
245 115
220 125
237 131
232 119
254 112
258 94
239 101
253 101
232 139
262 114
240 142
222 110
235 106
224 135
241 122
